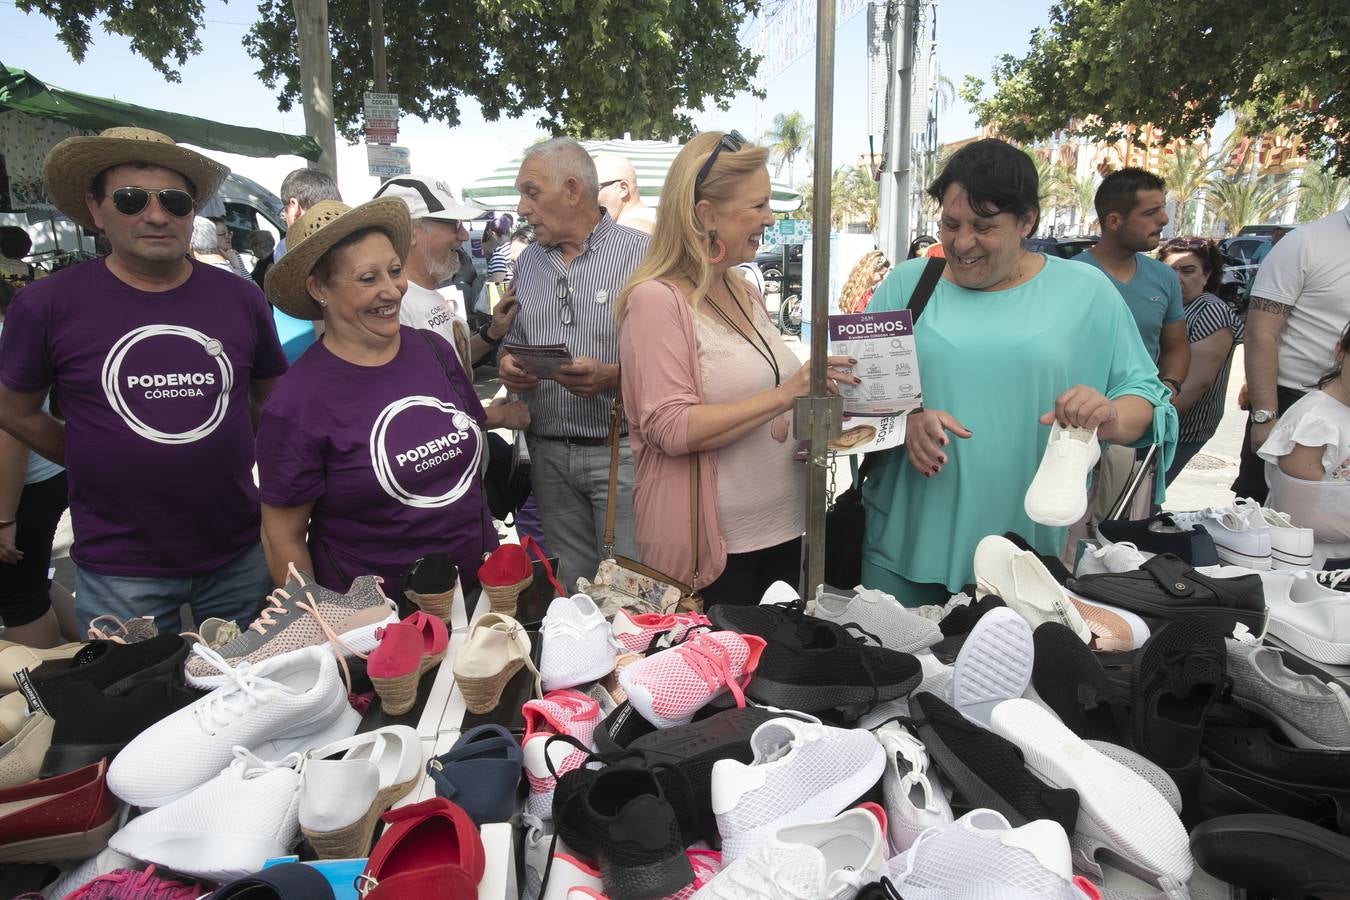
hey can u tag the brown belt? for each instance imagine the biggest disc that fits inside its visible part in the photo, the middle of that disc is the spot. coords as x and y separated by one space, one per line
575 441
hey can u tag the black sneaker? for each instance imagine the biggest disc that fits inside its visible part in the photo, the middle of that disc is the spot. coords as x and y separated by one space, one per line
815 666
1274 855
1224 793
1161 534
762 620
91 725
958 624
1166 587
1071 681
117 668
1256 752
986 770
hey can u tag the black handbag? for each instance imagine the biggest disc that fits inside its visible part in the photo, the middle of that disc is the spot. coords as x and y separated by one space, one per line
846 519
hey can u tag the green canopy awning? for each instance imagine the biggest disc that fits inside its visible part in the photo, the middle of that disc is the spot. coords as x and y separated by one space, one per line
20 91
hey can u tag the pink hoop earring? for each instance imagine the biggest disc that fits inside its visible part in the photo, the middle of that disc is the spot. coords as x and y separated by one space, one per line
721 248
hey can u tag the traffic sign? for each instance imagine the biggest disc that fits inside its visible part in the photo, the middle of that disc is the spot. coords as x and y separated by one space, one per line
793 231
375 135
384 160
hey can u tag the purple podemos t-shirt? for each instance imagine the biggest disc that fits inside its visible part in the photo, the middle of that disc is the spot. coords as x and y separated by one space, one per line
155 389
390 455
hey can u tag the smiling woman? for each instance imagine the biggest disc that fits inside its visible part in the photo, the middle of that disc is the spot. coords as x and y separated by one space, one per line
1010 342
370 448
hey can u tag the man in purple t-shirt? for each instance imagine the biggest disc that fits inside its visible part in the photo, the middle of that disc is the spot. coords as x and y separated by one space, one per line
158 363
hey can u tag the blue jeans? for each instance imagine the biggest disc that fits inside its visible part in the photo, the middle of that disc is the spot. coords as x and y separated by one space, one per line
571 486
236 590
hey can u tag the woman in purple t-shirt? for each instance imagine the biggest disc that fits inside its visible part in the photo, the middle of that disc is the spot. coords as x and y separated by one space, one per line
370 447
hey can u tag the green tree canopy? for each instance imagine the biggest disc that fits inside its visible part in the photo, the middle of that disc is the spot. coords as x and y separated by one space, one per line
1179 66
593 67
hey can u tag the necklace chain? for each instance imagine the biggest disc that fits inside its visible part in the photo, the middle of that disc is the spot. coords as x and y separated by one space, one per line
761 347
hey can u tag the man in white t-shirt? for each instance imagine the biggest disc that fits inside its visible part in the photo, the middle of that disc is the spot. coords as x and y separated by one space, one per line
619 193
433 258
1300 304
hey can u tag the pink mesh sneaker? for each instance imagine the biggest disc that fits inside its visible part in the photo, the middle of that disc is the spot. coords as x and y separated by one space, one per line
560 712
128 884
636 632
668 687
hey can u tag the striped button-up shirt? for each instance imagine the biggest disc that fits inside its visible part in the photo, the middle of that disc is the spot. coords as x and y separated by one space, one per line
594 278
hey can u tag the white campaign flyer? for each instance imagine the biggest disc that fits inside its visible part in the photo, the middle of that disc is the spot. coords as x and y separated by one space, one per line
888 362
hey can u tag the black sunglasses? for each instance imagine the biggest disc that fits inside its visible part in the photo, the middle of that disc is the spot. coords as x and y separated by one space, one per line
730 142
564 296
130 201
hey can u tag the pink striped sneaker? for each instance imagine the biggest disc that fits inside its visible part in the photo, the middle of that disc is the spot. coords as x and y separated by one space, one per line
636 632
560 712
128 884
668 687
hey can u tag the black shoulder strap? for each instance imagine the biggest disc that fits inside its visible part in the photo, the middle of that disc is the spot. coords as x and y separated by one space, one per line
436 351
918 302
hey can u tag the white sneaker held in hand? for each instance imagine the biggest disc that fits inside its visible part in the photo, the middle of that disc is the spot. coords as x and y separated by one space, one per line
1058 493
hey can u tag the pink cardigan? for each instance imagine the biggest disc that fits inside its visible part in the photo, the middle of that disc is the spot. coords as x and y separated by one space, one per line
660 378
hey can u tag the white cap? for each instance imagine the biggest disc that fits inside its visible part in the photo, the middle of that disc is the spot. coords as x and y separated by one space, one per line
429 198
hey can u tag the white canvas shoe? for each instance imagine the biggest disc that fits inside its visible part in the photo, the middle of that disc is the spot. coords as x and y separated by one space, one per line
827 860
1309 616
1025 585
1238 540
1291 547
226 828
1058 493
283 705
914 798
801 772
1117 808
578 645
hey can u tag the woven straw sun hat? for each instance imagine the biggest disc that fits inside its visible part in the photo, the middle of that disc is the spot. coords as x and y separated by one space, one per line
314 234
73 164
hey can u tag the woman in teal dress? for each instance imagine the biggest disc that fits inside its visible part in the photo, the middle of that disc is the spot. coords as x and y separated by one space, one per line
1010 341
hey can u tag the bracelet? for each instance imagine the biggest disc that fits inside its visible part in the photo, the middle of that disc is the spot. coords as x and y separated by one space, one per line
483 333
5 523
1176 385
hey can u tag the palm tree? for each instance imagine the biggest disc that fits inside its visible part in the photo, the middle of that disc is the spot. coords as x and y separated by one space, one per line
1321 194
1238 200
790 134
1187 172
1083 197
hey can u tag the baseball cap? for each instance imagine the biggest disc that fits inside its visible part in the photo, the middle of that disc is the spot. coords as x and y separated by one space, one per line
429 198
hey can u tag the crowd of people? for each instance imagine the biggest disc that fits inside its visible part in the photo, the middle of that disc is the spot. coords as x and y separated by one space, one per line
147 410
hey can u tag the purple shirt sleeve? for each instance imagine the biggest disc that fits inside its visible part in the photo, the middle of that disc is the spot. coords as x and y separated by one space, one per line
290 456
25 360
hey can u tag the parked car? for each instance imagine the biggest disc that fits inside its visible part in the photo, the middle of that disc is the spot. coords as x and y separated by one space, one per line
1064 248
1239 268
770 262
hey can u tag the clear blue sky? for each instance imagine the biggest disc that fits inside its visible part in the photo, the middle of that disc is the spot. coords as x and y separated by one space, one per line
220 84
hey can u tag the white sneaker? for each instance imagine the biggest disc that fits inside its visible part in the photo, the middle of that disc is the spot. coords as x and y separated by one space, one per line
226 828
878 615
1058 493
1025 585
914 801
1117 808
280 706
578 645
801 772
981 855
1109 558
1291 547
1238 540
1310 617
347 785
993 665
829 860
780 593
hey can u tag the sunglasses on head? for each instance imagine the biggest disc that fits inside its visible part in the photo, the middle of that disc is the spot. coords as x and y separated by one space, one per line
730 142
1187 243
130 201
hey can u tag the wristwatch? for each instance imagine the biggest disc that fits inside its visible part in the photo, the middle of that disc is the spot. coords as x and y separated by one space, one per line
483 333
1262 416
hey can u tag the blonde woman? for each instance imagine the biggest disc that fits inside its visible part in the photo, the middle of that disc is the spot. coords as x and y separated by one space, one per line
867 273
706 376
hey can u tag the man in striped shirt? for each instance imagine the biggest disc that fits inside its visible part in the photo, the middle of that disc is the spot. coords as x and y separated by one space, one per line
565 285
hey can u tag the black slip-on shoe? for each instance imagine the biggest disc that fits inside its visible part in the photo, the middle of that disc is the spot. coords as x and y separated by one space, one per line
1177 678
1225 793
1274 855
1256 752
1166 587
117 668
986 770
1071 681
1162 534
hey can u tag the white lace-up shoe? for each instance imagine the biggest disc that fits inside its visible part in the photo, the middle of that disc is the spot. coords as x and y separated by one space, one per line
1238 540
914 800
880 616
279 706
1058 493
578 645
828 860
801 772
1309 616
226 828
1291 547
1113 558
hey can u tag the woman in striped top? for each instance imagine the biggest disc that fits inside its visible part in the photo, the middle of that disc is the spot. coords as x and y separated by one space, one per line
1213 330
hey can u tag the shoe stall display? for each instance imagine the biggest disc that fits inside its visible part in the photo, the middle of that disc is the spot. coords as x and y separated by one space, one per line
1159 722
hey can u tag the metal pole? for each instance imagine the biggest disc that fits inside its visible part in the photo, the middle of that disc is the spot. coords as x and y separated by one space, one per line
898 174
817 417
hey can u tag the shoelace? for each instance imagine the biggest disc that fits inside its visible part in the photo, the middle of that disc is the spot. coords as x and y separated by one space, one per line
1334 578
1104 549
227 632
243 692
250 766
711 662
278 598
119 633
756 875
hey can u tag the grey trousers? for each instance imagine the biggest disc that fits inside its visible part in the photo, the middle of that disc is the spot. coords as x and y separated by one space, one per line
571 486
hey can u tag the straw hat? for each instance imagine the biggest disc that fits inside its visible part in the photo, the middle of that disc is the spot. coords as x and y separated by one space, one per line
73 164
314 234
